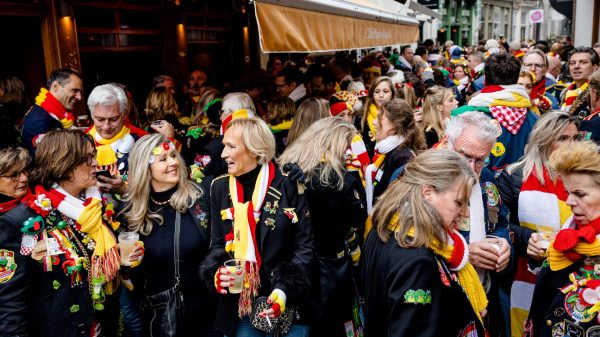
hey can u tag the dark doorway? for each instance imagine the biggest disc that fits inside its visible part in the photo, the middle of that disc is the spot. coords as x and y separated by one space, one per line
22 52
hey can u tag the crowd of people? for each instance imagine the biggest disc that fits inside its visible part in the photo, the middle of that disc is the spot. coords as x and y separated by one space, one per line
441 191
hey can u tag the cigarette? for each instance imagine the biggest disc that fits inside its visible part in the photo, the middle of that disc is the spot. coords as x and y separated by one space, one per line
269 321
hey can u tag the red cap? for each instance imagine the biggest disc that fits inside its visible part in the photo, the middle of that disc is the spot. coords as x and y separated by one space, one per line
338 108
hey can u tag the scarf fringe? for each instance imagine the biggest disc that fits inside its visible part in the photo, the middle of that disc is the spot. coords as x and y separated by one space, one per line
250 291
107 266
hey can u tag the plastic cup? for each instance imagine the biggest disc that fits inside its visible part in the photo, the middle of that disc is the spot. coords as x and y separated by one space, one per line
127 242
236 270
545 236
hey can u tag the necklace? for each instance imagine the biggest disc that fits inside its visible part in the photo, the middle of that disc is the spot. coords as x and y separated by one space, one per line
160 203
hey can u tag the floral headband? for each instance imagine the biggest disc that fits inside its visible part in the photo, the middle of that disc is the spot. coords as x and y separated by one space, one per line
160 149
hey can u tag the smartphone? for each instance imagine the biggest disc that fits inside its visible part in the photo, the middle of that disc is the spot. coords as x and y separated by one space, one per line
104 173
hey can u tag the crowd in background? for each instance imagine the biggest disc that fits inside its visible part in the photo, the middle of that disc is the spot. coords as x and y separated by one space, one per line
435 191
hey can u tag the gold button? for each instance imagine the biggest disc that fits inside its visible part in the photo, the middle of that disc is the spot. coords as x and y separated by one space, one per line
548 322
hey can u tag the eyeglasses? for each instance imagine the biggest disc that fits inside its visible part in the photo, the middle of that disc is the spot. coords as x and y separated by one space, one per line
279 86
90 157
533 65
477 161
15 176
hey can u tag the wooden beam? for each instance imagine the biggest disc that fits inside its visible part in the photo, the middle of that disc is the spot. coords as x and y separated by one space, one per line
14 9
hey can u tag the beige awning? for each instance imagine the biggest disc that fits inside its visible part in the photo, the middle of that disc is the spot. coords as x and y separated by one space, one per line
288 29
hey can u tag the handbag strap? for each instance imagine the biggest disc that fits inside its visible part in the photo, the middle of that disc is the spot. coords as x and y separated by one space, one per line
176 246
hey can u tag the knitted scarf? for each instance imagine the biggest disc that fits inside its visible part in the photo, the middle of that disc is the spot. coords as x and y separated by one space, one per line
357 158
245 217
507 103
88 215
371 116
456 255
374 171
540 103
55 109
7 206
572 243
242 113
572 93
122 142
283 126
543 206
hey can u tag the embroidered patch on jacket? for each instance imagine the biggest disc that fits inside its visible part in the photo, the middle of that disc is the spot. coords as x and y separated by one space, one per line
7 265
493 197
498 149
418 296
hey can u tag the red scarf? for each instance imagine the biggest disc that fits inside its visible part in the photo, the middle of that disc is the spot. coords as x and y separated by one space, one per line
567 239
539 89
7 206
55 109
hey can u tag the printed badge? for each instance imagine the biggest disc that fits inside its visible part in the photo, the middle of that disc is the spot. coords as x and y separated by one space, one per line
7 265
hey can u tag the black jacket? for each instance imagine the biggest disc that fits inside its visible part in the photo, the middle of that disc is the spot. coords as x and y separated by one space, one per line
44 303
334 213
286 247
554 313
393 275
393 160
37 122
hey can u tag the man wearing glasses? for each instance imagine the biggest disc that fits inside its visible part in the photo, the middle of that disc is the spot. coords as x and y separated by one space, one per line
535 61
472 135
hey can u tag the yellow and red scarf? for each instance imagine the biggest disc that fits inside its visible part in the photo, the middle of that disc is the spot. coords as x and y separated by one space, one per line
88 217
456 254
573 243
238 114
55 109
245 217
572 93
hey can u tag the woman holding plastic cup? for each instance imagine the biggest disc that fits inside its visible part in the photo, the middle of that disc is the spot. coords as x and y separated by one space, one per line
536 198
59 260
260 219
170 215
567 293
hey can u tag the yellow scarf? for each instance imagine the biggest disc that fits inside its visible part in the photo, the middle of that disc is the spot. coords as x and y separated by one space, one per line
559 261
371 116
572 94
283 126
467 276
94 133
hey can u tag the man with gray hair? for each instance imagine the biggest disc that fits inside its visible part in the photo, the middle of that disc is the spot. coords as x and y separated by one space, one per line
472 135
114 135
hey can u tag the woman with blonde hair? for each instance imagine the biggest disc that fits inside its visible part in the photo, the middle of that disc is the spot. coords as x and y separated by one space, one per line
418 281
309 111
438 102
566 296
536 198
260 221
336 200
381 91
170 214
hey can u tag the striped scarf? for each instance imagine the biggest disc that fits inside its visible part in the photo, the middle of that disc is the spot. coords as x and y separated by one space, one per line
374 171
88 215
238 114
572 93
543 206
456 255
245 217
371 116
55 109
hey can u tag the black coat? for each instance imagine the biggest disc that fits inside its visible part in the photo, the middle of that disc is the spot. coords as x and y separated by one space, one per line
392 274
335 214
42 303
551 314
286 248
394 159
37 121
